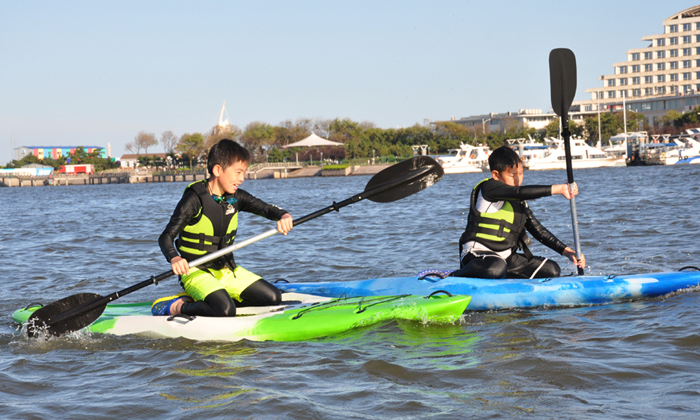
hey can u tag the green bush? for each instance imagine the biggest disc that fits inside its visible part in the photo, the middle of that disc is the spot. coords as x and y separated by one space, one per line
335 167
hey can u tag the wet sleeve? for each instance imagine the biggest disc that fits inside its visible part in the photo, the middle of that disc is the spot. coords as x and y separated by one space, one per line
539 232
251 204
493 190
186 209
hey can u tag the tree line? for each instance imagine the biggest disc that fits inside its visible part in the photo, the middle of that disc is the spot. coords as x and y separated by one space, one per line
363 140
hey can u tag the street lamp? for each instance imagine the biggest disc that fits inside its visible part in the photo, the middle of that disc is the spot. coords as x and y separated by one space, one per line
483 124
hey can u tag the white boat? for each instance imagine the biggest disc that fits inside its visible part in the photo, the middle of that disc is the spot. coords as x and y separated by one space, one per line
466 159
687 148
618 147
527 149
582 156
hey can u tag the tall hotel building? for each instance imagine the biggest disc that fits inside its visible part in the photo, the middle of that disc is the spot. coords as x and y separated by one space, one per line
661 77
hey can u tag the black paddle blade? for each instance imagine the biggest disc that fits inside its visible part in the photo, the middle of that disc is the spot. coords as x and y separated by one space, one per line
420 173
562 78
41 320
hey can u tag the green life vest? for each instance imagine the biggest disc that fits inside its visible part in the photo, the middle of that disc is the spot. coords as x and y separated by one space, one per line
497 231
213 228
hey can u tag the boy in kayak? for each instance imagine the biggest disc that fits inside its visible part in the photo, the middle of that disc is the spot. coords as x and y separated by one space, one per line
498 220
206 220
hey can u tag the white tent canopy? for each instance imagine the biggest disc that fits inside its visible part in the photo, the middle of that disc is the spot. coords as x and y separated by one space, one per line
313 140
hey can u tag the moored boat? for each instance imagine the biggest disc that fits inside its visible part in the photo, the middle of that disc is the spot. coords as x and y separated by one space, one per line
466 159
582 156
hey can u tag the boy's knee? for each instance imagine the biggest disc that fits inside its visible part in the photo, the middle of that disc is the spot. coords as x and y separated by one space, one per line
549 269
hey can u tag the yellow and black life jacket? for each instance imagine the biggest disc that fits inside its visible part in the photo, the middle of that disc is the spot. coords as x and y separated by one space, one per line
497 231
213 228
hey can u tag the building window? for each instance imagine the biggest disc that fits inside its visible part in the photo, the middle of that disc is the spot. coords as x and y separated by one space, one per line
673 40
636 92
647 79
686 76
623 82
611 94
611 82
686 51
661 78
673 53
661 66
674 77
623 69
687 64
635 68
635 56
687 39
673 65
635 80
648 91
686 27
647 67
661 54
660 42
673 28
648 55
687 88
697 75
661 90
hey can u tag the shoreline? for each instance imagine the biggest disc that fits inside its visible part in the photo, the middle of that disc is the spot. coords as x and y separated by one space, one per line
136 178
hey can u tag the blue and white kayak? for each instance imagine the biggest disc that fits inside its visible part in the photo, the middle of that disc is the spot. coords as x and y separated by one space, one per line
515 293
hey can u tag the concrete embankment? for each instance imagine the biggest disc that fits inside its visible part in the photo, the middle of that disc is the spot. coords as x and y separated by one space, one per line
138 178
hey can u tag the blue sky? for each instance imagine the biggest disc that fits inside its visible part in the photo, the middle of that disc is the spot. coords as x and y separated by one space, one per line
97 72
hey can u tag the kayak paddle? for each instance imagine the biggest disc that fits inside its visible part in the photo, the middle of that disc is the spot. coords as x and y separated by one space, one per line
562 78
393 183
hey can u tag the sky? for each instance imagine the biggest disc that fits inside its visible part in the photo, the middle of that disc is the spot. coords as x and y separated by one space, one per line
97 72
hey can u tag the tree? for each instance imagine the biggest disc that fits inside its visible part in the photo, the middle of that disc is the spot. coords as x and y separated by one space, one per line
257 137
168 140
552 129
134 147
145 140
191 146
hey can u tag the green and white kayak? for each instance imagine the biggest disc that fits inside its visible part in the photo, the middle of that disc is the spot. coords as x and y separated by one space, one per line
300 317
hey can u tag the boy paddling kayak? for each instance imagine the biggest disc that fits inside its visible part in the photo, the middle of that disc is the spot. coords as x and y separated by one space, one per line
206 220
498 220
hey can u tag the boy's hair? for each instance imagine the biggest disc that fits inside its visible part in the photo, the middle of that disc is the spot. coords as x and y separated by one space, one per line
502 158
225 153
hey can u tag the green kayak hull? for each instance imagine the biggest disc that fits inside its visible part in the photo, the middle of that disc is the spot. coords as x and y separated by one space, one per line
300 317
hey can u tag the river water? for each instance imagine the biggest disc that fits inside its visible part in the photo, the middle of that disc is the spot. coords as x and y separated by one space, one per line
629 360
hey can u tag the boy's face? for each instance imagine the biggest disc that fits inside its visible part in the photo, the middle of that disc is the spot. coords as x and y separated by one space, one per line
512 175
232 177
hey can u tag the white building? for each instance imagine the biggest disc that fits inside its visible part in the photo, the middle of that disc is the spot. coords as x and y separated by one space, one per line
663 76
527 118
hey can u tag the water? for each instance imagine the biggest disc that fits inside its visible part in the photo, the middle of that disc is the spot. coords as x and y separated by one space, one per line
630 360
